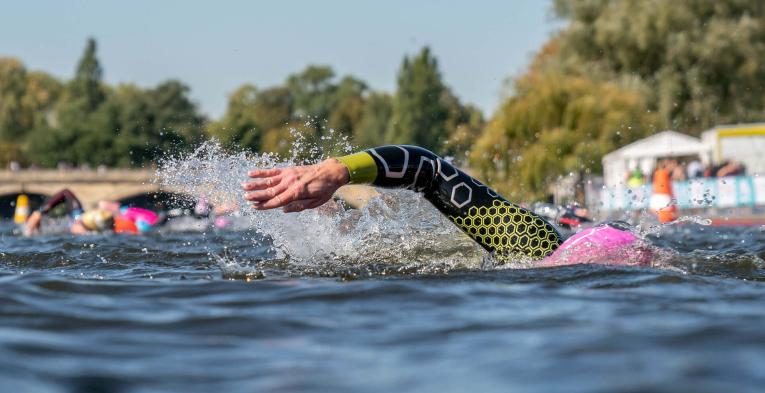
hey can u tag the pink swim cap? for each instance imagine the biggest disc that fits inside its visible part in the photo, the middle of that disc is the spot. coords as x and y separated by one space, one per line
608 244
136 213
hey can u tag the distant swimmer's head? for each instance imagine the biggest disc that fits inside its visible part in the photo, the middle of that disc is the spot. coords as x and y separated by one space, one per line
98 220
111 206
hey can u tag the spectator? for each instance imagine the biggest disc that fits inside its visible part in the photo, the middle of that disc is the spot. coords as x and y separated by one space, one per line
677 171
731 168
695 169
636 178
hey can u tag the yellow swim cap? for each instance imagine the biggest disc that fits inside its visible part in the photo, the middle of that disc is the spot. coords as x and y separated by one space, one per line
97 220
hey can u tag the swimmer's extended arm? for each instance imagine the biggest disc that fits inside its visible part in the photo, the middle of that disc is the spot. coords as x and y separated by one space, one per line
63 196
33 223
484 215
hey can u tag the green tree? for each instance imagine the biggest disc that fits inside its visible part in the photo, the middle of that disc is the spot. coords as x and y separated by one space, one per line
150 123
557 124
42 95
48 146
123 126
85 131
375 120
419 114
280 139
703 61
86 87
313 91
93 140
90 141
26 100
10 152
239 124
175 113
14 120
348 107
466 125
135 141
255 119
273 107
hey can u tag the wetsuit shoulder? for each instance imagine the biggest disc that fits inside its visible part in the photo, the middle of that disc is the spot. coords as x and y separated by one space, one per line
488 218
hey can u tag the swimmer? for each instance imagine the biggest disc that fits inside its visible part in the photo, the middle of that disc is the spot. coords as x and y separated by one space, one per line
107 217
72 206
499 226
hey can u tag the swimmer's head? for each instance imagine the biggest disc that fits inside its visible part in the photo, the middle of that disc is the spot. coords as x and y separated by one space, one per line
97 220
111 206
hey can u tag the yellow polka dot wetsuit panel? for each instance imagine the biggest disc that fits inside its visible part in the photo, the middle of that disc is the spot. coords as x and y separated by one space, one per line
498 225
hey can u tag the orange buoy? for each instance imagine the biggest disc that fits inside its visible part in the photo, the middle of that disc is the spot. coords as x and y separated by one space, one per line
22 212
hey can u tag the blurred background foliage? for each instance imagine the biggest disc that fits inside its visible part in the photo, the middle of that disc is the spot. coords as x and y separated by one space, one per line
616 71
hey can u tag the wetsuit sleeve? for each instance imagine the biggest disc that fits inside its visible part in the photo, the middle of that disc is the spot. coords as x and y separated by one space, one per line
488 218
63 196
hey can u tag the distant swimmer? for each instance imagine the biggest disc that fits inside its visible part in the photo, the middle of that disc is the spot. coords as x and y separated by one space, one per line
501 227
108 217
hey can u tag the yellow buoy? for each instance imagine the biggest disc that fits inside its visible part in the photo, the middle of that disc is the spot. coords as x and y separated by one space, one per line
22 209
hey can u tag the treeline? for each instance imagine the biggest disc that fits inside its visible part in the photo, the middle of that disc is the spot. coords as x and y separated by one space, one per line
422 111
617 71
45 121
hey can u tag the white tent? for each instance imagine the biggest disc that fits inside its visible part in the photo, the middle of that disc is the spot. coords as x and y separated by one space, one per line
645 152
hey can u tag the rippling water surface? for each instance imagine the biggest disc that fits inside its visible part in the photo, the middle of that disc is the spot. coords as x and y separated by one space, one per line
389 298
223 311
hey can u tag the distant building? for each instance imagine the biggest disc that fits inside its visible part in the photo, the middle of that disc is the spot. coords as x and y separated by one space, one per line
744 143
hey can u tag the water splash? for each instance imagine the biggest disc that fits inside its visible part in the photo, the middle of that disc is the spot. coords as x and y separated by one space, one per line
693 219
398 228
647 225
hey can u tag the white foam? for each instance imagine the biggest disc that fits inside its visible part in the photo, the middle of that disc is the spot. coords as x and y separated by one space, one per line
399 227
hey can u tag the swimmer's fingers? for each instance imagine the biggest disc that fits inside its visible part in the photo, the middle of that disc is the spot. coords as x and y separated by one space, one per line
287 196
261 184
263 173
266 195
278 200
302 204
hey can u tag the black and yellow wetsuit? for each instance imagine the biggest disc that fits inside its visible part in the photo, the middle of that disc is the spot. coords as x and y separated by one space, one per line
498 225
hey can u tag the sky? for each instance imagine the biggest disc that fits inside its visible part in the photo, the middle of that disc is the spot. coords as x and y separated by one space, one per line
214 47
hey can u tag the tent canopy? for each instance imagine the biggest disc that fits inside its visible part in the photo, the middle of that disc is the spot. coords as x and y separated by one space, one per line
663 144
644 153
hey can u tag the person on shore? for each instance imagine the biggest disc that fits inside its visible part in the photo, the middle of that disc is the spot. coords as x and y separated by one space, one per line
731 168
636 178
501 227
695 169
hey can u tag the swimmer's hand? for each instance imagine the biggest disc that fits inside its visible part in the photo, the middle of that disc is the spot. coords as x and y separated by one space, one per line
295 188
33 224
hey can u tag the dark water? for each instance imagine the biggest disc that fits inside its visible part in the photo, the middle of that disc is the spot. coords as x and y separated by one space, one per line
146 314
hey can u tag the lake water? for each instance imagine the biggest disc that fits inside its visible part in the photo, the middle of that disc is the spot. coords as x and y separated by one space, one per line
389 298
201 311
